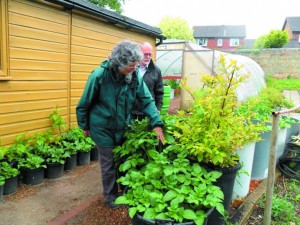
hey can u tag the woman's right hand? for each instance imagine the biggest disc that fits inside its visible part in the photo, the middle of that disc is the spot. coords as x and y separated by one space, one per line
86 133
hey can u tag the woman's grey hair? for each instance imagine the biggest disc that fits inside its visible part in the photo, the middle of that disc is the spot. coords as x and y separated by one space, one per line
124 53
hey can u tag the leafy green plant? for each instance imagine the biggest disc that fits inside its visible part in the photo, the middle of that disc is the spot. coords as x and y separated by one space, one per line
284 84
275 39
262 106
212 129
2 180
18 149
283 211
285 204
3 152
173 84
162 182
56 154
58 122
78 140
133 152
31 162
69 147
7 171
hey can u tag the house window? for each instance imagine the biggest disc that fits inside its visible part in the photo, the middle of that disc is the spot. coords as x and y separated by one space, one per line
234 42
202 41
220 42
3 40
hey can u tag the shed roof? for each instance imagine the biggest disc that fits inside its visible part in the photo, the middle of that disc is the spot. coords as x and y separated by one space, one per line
294 23
113 17
222 31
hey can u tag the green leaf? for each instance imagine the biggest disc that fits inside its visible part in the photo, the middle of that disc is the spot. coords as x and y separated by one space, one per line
150 214
121 200
125 166
169 170
132 211
170 195
189 214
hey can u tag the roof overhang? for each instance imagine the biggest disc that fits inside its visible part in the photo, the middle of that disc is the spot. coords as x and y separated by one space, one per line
110 16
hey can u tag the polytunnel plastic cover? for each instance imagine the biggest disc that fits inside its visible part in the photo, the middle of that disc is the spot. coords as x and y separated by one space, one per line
180 57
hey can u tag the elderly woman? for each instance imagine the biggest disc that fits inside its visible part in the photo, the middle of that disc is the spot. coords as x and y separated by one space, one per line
104 107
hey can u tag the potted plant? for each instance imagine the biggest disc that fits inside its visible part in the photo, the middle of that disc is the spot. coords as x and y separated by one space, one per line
162 183
261 106
175 87
55 160
212 130
32 169
71 161
11 177
83 146
17 150
2 182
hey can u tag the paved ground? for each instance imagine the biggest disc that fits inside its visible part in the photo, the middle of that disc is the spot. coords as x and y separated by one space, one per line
40 204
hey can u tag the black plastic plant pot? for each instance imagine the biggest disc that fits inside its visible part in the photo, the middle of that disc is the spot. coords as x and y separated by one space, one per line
139 220
226 183
1 192
83 158
33 176
10 185
71 162
54 170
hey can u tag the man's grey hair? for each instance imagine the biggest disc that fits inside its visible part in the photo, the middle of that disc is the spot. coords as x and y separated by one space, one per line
124 53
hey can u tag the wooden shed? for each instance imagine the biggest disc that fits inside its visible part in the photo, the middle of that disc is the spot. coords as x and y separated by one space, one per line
47 50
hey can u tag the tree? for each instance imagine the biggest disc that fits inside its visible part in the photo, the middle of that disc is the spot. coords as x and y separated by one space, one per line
275 39
176 28
112 4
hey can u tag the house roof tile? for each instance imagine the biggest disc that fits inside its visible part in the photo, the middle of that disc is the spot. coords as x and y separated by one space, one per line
294 23
222 31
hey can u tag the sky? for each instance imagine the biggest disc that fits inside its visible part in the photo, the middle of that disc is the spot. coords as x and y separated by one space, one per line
259 16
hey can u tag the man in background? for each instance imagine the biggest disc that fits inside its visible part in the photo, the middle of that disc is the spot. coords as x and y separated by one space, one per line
152 77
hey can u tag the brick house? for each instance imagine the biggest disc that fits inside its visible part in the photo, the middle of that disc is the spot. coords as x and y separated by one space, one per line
292 26
223 37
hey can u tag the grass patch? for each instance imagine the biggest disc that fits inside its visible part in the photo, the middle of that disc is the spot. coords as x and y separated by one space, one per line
284 84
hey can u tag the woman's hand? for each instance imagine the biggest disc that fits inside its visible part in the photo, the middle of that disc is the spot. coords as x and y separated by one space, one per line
86 133
160 134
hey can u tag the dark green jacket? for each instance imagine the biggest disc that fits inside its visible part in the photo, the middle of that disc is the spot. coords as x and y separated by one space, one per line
106 102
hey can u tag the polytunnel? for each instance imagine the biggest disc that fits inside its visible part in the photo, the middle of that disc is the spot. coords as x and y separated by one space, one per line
190 61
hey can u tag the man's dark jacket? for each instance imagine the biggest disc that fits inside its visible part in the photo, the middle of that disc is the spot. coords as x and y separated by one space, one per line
154 82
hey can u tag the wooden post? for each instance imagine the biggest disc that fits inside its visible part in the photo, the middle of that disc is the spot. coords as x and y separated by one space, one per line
272 164
271 171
